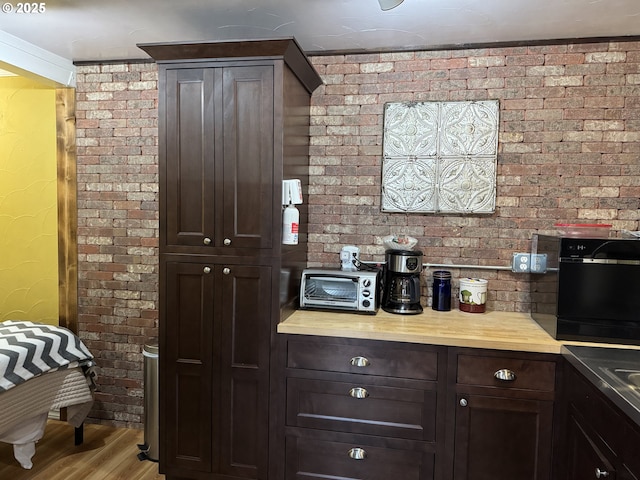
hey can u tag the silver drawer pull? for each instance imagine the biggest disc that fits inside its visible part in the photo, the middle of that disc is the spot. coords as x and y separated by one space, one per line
505 375
359 362
358 392
601 473
206 269
227 241
357 453
206 241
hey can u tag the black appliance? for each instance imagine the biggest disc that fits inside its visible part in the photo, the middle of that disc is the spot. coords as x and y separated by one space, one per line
590 290
401 292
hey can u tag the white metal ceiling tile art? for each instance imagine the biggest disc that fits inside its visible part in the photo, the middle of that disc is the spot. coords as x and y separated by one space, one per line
440 157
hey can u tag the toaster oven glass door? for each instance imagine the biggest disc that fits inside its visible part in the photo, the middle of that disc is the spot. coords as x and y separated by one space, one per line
334 291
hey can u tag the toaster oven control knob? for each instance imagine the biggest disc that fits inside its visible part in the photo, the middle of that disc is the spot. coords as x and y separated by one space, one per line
366 293
366 303
366 282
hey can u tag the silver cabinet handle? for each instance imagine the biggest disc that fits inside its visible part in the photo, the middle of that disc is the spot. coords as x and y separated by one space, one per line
505 375
206 269
357 453
226 271
360 362
601 473
206 241
463 402
358 392
227 241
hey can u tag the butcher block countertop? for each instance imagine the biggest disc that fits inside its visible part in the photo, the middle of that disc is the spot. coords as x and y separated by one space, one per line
490 330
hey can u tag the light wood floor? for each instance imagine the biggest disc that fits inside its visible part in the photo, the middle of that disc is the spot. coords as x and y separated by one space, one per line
106 454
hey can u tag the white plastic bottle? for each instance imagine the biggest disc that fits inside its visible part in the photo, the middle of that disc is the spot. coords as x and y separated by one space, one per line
290 225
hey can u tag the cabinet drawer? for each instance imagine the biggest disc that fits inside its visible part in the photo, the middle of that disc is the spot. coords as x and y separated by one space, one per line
380 410
529 374
363 359
317 459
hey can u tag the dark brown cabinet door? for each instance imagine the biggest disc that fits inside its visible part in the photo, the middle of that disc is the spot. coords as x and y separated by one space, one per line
217 162
186 373
502 438
598 439
215 369
584 459
248 157
244 358
188 172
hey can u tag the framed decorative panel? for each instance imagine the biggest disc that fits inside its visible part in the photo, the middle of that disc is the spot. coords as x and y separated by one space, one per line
440 157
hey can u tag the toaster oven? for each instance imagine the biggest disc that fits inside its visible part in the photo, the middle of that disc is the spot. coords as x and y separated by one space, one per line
340 290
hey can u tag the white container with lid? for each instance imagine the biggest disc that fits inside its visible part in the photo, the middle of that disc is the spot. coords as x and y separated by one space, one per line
473 295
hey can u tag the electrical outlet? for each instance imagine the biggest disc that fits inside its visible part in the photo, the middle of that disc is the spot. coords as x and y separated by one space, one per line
538 263
521 263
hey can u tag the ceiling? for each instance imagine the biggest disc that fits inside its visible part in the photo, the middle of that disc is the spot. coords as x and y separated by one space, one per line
99 30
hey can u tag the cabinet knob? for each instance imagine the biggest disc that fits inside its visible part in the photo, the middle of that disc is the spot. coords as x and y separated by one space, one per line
359 362
226 270
206 269
358 392
206 241
463 402
505 375
601 473
227 241
357 453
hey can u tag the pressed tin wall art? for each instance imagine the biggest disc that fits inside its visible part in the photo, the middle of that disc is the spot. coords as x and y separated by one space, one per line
440 157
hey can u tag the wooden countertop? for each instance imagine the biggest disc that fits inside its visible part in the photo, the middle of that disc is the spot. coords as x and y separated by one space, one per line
491 330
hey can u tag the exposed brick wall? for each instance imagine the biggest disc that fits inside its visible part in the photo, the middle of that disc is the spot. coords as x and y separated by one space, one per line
117 230
569 150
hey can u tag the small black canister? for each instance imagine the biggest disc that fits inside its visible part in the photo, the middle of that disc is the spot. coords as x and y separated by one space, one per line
441 299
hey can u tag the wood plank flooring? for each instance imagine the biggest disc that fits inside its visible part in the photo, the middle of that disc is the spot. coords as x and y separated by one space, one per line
106 454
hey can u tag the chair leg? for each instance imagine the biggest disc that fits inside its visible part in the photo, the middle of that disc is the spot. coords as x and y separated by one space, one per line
78 437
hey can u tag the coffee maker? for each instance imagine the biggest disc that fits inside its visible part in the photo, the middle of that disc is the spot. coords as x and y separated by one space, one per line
401 292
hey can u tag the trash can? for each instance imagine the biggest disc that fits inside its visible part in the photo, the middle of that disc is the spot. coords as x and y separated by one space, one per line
149 450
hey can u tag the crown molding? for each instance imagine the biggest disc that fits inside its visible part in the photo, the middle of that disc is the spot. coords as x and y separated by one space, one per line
24 58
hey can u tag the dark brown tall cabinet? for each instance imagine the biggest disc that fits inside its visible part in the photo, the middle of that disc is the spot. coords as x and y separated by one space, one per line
233 123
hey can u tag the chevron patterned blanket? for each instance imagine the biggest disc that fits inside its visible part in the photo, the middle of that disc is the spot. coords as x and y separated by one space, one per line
29 349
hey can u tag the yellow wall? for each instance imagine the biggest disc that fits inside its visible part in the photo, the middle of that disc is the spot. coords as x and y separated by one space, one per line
28 202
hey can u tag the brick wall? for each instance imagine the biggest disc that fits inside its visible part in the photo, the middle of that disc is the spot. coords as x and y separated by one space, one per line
117 229
569 150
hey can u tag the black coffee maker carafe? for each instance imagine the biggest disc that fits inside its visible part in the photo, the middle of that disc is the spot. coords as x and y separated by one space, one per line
401 293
